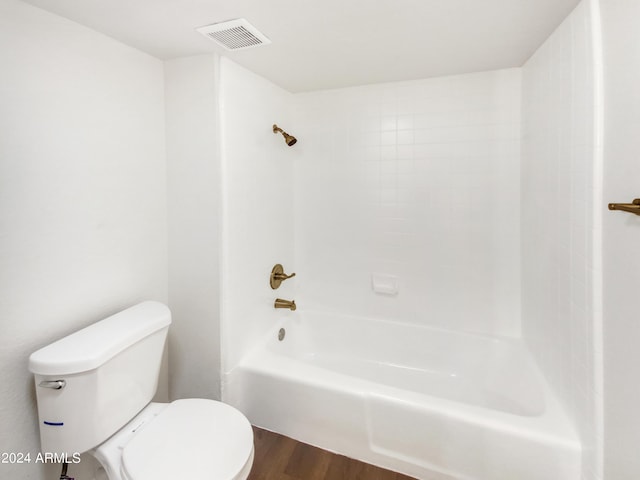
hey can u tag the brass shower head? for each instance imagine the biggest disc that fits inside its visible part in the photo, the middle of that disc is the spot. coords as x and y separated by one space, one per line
290 139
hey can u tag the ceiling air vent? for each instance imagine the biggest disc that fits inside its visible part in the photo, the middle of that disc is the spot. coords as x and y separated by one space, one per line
234 34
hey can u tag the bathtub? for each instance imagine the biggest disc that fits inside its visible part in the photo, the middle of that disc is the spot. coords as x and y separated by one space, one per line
429 403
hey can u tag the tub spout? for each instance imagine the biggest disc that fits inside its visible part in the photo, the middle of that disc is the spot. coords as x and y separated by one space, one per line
280 303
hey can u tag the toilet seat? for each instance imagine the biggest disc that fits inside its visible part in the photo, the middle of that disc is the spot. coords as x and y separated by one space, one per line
192 438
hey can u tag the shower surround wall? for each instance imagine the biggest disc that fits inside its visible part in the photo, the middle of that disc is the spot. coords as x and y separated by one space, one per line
561 220
257 206
418 180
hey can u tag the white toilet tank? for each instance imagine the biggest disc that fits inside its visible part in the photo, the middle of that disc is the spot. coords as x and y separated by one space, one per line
109 371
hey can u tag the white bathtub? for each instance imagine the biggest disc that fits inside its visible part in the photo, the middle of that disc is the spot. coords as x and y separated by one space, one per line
428 403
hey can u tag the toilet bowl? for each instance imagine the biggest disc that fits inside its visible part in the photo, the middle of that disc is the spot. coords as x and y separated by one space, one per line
94 391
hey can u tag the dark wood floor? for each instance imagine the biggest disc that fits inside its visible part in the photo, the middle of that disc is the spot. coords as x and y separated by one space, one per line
281 458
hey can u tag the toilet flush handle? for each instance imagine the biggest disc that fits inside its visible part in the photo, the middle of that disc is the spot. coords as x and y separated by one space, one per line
55 384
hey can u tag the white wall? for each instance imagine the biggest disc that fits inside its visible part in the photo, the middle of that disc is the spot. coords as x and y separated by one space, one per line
561 269
193 182
621 38
82 196
257 231
418 180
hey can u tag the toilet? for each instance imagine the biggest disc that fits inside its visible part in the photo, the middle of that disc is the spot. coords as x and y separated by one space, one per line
94 390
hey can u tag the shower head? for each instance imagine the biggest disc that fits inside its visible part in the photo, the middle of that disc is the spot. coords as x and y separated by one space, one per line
290 139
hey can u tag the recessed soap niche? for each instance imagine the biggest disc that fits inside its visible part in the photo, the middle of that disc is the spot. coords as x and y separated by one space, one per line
384 284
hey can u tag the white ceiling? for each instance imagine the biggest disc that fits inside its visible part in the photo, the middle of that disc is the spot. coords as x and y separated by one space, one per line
335 43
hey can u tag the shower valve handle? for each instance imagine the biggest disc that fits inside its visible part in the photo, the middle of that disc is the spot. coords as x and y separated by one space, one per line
278 276
283 276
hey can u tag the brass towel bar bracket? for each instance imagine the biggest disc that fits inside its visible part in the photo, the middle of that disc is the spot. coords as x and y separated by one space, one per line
627 207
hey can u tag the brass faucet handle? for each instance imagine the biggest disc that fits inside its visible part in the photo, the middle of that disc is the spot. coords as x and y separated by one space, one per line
627 207
283 276
278 276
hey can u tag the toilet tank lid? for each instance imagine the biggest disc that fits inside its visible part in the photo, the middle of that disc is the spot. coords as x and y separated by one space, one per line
94 345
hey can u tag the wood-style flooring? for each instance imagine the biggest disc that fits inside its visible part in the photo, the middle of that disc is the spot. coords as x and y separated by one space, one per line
281 458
